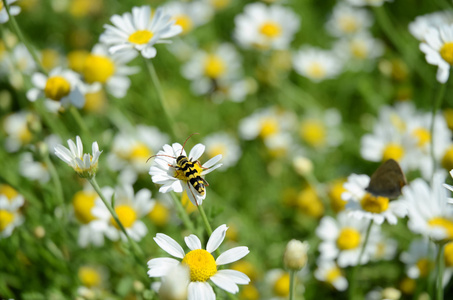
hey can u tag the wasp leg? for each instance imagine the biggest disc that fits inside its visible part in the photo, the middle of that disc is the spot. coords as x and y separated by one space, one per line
199 164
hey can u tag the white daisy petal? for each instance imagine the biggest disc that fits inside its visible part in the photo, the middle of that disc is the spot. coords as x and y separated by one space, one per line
169 245
235 276
225 283
200 291
159 267
232 255
216 238
193 242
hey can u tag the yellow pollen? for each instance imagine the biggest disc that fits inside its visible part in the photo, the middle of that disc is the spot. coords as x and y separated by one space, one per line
83 202
447 52
140 37
335 192
448 255
270 29
98 68
348 24
333 275
216 150
424 265
358 49
8 191
201 264
269 126
447 159
281 286
394 151
185 22
126 215
89 277
349 238
374 204
316 70
6 218
76 60
159 215
214 66
57 87
422 135
443 223
313 132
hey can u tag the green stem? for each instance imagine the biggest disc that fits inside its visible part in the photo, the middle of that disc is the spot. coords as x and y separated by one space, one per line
207 226
436 105
79 120
292 285
160 94
440 272
22 38
352 287
57 183
182 213
135 249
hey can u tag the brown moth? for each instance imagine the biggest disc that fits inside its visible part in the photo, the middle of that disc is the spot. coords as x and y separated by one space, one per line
387 180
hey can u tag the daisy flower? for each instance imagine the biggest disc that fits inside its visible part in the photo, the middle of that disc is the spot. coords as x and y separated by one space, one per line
428 209
10 203
139 31
110 69
328 271
201 264
225 144
346 20
438 49
129 207
165 170
317 64
84 164
419 259
189 15
321 129
343 238
17 130
420 26
363 205
266 27
61 88
277 280
13 10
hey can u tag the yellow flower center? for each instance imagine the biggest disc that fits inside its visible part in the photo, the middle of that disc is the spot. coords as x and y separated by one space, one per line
140 151
249 292
185 22
448 255
422 135
220 4
57 87
8 191
309 203
349 238
281 286
333 274
335 192
201 264
6 218
126 215
316 70
374 204
140 37
216 150
358 49
348 24
424 265
76 60
98 68
313 132
89 277
83 202
214 67
269 126
447 52
271 29
392 151
447 159
159 215
443 223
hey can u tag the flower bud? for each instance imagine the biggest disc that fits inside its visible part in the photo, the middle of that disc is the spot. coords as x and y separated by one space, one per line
295 256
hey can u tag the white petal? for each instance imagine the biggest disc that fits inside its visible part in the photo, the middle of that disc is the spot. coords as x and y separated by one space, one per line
149 52
235 276
169 245
193 242
232 255
216 238
212 161
225 283
196 152
159 267
200 291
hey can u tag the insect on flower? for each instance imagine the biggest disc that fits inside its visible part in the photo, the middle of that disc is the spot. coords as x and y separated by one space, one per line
182 171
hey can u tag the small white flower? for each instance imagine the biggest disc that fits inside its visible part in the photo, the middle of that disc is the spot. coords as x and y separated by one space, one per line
420 26
165 171
347 20
189 15
419 259
201 263
32 169
139 31
438 49
329 272
363 205
266 27
225 144
317 64
16 126
321 129
129 207
13 10
83 163
10 216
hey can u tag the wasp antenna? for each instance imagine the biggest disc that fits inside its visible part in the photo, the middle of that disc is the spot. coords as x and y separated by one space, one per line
187 140
159 155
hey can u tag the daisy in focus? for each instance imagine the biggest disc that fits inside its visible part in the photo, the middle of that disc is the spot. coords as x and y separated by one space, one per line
139 31
317 64
10 203
166 171
364 205
129 207
84 164
438 49
346 20
13 10
201 263
266 27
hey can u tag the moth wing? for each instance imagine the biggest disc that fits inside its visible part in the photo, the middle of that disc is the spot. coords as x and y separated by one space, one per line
387 180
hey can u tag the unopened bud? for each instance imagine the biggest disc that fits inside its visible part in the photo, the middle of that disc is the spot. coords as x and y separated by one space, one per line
295 256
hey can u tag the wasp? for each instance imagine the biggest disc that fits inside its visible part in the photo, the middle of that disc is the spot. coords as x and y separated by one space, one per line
188 171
